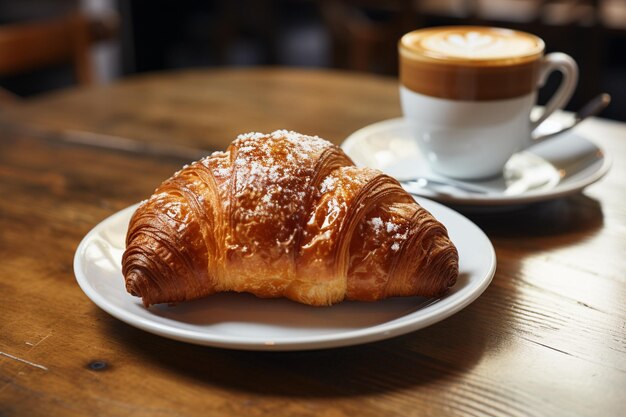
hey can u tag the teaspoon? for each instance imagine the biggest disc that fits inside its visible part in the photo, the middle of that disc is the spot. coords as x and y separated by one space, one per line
592 108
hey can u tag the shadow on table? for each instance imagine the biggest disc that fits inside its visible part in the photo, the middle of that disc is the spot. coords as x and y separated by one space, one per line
436 356
350 371
569 216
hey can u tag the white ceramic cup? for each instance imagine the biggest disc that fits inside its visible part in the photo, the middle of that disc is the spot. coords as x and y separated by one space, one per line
467 93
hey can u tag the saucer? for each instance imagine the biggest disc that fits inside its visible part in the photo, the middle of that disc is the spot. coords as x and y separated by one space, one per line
557 167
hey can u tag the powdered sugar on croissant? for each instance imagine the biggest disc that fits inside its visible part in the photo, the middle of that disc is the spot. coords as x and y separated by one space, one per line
284 215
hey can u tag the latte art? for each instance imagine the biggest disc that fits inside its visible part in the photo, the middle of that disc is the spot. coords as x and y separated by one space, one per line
471 40
454 43
470 63
476 45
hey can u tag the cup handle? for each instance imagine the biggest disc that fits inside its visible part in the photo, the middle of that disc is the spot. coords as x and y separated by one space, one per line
557 61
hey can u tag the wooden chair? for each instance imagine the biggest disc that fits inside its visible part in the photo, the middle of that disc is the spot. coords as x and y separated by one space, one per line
365 32
30 46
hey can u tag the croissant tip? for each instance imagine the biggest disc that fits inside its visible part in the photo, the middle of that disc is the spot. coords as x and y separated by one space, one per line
452 280
133 286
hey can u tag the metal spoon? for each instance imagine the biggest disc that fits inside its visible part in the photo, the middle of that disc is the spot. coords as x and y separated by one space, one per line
592 108
436 184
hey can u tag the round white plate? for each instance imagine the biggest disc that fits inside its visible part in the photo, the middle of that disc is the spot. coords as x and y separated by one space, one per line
560 166
242 321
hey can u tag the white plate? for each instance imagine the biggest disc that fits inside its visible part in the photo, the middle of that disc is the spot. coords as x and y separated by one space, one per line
242 321
530 176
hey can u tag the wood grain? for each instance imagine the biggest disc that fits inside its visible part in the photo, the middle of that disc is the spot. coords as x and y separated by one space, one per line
547 338
207 110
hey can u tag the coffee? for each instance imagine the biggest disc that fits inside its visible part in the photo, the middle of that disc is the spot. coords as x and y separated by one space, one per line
467 93
470 63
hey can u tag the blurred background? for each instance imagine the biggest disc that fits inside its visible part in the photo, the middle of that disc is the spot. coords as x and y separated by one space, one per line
109 39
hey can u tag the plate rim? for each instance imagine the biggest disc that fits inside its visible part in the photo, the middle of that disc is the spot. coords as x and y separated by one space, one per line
458 301
504 200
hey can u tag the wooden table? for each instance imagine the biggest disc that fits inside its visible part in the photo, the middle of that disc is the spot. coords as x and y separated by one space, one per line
547 338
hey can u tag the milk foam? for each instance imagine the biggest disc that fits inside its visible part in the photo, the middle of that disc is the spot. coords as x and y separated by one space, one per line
478 45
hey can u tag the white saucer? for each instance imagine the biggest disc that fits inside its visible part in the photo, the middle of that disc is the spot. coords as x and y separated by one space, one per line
530 176
242 321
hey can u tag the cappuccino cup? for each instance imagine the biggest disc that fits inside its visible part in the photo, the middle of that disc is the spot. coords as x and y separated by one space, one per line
467 93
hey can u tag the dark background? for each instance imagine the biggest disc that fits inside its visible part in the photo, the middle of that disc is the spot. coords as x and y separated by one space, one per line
356 35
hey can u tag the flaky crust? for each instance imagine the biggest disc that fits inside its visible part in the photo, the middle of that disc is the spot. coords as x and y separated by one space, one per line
284 215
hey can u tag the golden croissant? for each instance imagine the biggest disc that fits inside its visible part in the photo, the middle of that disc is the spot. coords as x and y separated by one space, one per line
285 215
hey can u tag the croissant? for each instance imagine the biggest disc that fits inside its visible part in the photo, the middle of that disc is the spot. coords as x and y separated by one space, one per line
284 215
